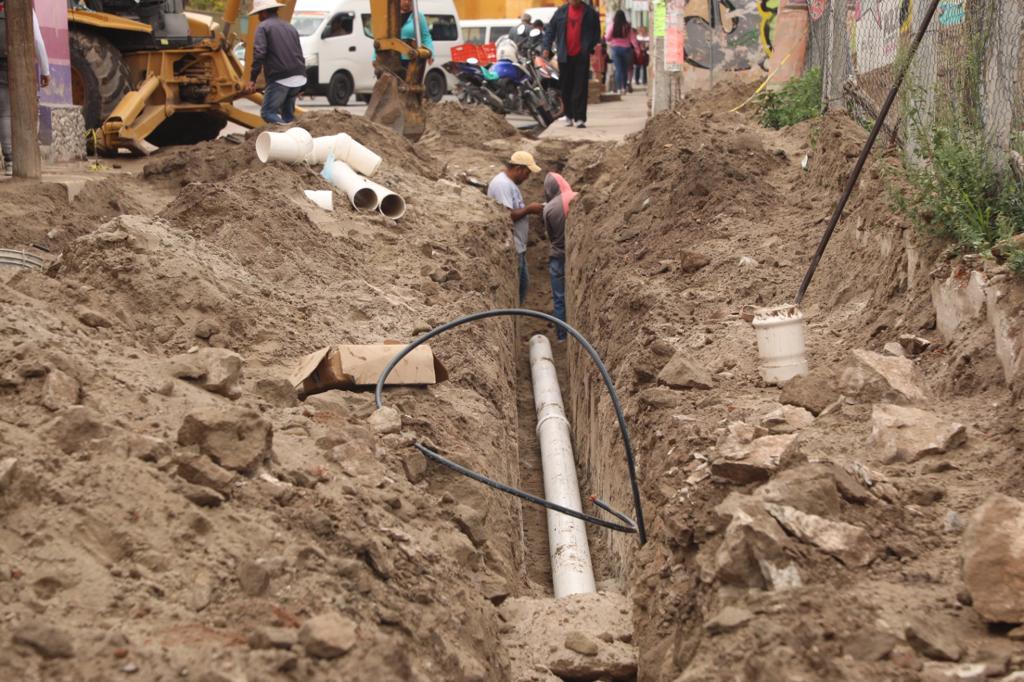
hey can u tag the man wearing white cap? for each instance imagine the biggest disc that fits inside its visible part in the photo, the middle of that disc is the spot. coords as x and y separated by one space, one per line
277 52
504 188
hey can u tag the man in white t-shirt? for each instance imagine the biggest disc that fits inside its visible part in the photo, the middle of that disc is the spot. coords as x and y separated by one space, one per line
504 188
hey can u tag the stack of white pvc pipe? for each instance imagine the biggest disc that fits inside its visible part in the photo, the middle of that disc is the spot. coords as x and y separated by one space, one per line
571 571
346 162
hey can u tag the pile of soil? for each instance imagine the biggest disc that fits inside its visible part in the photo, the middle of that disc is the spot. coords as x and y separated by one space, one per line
457 125
674 234
140 536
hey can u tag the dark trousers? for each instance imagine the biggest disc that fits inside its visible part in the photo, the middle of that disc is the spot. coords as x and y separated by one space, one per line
279 103
574 74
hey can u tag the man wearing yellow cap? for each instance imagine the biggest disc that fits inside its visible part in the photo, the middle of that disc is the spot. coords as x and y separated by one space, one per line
504 188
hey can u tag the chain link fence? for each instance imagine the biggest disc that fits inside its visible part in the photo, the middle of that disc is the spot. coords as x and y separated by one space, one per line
968 72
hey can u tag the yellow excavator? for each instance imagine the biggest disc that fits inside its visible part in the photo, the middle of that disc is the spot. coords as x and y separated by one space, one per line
148 74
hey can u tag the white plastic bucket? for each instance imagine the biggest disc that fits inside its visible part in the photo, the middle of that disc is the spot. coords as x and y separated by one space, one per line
355 187
780 343
324 198
322 148
289 147
356 155
390 204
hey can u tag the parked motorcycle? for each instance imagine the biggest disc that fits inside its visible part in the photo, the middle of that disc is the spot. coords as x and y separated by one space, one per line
508 86
544 71
473 89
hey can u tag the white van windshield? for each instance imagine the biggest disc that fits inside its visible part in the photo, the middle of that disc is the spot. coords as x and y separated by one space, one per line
442 26
307 22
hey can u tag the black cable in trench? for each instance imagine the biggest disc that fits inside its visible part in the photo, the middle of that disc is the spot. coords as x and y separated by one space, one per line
629 526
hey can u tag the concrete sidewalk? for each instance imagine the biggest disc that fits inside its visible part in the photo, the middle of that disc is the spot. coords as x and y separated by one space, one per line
606 122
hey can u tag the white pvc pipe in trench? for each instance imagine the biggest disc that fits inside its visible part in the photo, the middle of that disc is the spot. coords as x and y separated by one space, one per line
571 570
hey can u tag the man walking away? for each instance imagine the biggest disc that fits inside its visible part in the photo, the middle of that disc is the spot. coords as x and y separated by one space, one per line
277 52
558 194
5 93
575 30
504 188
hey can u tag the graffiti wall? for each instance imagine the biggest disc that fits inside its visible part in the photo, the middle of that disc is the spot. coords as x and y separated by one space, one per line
733 35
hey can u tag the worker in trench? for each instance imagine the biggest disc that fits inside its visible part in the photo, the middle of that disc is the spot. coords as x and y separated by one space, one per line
277 52
559 196
504 188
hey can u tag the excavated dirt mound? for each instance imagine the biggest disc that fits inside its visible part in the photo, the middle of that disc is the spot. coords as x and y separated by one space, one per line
223 158
38 213
457 125
190 517
784 543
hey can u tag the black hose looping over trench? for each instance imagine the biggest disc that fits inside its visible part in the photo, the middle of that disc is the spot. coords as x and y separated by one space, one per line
630 526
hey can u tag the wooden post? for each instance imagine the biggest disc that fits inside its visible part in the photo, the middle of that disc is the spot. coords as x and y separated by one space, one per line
22 79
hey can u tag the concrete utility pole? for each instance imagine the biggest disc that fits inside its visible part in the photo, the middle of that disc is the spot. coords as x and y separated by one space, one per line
23 83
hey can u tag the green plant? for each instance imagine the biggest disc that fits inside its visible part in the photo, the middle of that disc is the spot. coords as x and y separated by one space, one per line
797 100
960 192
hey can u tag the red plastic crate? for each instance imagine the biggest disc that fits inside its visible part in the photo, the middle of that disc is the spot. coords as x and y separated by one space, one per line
485 54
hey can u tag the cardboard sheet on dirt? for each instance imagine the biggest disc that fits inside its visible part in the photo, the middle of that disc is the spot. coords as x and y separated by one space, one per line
349 366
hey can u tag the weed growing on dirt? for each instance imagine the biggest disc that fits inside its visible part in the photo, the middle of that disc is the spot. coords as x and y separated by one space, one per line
959 192
797 100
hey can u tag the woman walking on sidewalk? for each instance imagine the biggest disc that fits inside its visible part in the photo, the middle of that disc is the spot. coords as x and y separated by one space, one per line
623 45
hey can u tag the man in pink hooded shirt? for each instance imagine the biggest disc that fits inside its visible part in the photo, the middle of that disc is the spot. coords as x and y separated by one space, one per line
558 195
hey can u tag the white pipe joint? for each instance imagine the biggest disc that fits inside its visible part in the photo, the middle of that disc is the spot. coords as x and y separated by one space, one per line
355 187
571 569
356 155
291 146
389 204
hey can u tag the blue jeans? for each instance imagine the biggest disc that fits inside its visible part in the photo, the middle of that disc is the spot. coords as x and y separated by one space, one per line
279 103
556 267
524 278
622 57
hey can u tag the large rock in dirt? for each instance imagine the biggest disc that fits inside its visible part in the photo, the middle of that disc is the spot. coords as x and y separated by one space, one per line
755 551
811 488
813 392
76 428
748 462
932 638
328 635
872 377
681 372
237 439
580 637
60 390
787 419
906 434
217 370
850 544
46 640
993 559
201 471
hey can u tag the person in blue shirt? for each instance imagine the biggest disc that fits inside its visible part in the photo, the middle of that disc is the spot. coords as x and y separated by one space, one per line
408 32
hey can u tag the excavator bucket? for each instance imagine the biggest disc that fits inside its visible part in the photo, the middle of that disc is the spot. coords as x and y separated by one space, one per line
396 105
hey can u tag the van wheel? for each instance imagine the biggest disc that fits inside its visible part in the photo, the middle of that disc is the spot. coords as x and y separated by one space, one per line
339 92
435 86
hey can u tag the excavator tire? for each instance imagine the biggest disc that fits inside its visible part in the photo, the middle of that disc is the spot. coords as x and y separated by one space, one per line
187 127
99 77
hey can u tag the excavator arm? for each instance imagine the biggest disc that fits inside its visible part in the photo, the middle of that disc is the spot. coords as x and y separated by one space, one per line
397 100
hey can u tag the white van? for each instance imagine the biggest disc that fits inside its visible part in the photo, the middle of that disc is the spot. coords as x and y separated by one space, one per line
339 49
485 31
